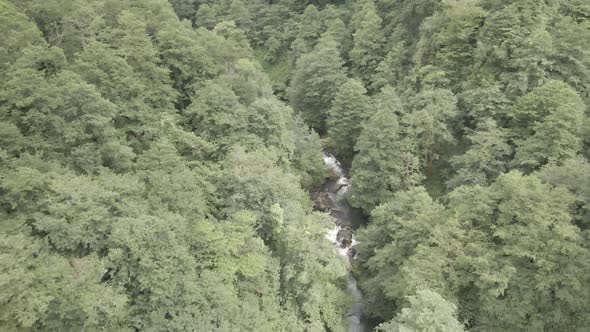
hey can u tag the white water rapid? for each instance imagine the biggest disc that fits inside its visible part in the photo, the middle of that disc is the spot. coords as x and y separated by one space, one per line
342 235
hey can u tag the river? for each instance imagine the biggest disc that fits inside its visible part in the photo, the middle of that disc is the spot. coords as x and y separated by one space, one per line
342 235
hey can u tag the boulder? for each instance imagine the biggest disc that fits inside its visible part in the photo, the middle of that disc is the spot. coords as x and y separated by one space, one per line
321 201
337 186
332 175
344 237
338 215
352 253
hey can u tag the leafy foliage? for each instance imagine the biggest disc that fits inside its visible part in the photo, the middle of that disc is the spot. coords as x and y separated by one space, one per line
428 311
345 119
127 203
152 178
315 82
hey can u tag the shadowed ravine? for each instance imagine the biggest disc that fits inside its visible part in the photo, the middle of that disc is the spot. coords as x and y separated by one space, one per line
333 194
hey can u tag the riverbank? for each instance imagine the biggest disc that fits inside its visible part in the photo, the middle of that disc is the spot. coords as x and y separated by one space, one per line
332 199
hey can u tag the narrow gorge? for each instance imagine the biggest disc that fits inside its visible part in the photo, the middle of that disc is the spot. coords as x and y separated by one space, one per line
331 198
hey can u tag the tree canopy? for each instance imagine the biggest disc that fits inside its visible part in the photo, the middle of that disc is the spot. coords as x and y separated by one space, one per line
158 160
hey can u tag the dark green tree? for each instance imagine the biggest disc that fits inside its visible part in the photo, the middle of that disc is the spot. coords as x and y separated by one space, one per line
573 174
548 124
485 159
205 16
394 250
308 31
315 81
428 311
350 108
432 112
386 160
368 39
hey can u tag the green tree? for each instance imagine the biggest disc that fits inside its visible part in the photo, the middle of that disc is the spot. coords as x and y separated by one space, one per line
368 40
170 183
573 174
216 115
247 80
391 68
308 31
548 125
520 232
350 108
123 203
239 13
253 181
19 33
188 60
515 46
395 251
447 39
205 16
485 159
307 156
309 276
315 81
45 291
337 30
132 40
432 111
428 311
481 103
117 81
61 114
185 9
385 162
268 120
571 61
311 271
160 274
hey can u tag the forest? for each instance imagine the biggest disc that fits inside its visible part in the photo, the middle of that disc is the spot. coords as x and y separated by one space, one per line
160 163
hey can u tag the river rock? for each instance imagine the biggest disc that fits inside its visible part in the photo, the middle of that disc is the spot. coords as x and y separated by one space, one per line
344 237
352 253
321 201
337 186
332 175
338 214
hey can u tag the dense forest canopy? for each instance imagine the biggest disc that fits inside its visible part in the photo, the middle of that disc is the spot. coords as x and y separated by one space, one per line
156 159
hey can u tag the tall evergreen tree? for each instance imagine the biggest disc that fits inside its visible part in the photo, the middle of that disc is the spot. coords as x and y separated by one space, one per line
368 40
430 120
315 81
386 160
573 174
510 225
351 107
548 125
394 250
486 158
308 31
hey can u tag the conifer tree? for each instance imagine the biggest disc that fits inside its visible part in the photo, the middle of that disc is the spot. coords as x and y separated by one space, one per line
385 162
315 81
351 107
368 40
430 120
548 125
486 158
308 31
